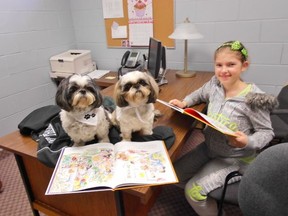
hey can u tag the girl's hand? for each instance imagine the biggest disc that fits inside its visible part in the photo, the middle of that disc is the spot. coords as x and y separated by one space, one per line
239 141
178 103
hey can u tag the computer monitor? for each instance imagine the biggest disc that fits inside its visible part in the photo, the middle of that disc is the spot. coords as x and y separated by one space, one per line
163 58
154 57
156 65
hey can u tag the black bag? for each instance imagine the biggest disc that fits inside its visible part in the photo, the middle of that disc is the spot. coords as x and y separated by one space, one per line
38 119
51 142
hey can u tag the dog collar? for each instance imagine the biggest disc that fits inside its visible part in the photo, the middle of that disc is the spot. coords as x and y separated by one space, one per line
89 118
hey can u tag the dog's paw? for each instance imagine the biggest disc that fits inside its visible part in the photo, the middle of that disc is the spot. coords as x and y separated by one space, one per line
157 114
104 140
126 136
77 144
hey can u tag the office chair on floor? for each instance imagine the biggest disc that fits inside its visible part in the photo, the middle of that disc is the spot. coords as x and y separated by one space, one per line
263 189
279 118
227 193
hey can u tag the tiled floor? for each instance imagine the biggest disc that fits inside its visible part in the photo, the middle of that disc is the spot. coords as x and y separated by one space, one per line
13 199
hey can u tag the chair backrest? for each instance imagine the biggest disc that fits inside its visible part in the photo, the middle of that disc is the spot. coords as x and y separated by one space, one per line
263 189
283 98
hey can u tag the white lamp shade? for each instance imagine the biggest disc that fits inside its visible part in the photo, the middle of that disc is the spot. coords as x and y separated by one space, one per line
185 31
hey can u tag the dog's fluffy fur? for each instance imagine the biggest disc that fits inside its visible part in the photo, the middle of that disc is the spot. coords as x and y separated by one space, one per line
135 93
83 117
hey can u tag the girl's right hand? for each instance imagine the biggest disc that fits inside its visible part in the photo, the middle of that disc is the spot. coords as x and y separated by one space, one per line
178 103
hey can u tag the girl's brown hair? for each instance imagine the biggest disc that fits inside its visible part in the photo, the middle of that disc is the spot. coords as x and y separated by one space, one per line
235 46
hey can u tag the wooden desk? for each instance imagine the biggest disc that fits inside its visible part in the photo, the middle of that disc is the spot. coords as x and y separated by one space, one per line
107 80
36 176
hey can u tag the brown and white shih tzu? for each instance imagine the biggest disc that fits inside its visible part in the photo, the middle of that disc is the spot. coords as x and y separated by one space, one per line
135 93
83 116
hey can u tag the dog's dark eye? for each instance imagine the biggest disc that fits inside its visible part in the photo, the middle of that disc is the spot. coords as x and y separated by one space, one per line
142 82
90 89
127 86
72 89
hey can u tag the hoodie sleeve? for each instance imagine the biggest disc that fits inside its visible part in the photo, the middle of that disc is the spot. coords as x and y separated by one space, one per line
202 94
260 107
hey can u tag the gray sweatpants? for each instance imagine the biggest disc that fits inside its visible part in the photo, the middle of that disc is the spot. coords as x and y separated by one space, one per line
199 174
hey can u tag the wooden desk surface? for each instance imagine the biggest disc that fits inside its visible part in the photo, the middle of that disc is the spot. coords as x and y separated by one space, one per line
181 124
107 80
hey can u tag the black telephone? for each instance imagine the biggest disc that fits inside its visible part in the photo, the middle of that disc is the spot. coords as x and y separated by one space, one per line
130 59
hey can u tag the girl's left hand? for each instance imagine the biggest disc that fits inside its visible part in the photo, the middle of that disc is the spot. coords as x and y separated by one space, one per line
239 141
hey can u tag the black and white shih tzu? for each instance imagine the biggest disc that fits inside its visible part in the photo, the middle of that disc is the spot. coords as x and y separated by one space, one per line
83 116
135 93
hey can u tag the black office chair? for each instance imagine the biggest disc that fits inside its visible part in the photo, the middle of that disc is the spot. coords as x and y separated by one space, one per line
263 189
227 193
279 118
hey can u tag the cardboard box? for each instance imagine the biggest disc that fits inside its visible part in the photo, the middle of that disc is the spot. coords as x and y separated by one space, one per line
72 61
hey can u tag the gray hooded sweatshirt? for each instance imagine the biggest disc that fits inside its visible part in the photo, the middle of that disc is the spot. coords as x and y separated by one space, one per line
248 112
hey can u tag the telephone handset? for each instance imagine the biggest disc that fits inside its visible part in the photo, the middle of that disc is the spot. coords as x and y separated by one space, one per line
130 59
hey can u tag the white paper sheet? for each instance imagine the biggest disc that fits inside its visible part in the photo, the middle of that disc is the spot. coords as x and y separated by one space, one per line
112 9
139 34
140 19
118 31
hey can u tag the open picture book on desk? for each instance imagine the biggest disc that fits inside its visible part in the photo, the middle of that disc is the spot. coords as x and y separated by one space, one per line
104 166
201 117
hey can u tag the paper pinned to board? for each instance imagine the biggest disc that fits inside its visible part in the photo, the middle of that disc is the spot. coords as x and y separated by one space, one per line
112 9
118 31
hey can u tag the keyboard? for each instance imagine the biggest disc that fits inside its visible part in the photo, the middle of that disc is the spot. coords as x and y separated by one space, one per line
97 74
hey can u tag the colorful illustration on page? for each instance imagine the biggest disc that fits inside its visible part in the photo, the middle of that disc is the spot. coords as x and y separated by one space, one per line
79 170
142 166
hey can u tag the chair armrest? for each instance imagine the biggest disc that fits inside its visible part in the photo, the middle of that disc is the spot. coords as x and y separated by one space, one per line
279 112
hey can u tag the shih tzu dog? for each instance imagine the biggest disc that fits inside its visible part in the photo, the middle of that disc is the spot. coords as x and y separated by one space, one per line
83 116
135 93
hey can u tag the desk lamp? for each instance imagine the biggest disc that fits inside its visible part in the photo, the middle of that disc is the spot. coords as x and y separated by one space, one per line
185 31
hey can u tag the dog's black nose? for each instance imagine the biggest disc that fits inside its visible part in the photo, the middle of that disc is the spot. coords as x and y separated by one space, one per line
137 86
83 92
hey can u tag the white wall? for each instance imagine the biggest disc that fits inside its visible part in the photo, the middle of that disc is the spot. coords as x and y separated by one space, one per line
31 31
262 25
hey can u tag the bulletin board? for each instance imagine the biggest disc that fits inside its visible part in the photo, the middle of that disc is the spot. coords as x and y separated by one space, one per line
163 23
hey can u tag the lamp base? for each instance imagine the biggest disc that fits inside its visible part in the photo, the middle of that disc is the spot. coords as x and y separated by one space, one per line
185 74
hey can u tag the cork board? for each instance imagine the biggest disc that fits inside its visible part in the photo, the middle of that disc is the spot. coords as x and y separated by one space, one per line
163 26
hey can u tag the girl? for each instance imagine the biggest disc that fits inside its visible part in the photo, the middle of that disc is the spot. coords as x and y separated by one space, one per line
243 108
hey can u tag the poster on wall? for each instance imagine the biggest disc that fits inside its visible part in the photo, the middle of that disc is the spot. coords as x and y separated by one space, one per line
140 21
112 9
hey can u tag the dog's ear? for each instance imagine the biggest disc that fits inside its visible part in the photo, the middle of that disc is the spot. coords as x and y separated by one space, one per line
154 89
61 95
118 95
98 96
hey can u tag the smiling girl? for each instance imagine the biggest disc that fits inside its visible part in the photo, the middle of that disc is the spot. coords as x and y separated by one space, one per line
239 105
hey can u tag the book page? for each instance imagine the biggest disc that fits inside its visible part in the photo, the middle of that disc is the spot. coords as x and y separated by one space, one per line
209 121
201 117
80 168
143 163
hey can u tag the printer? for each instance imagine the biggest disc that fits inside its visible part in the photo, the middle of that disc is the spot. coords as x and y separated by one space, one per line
70 62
